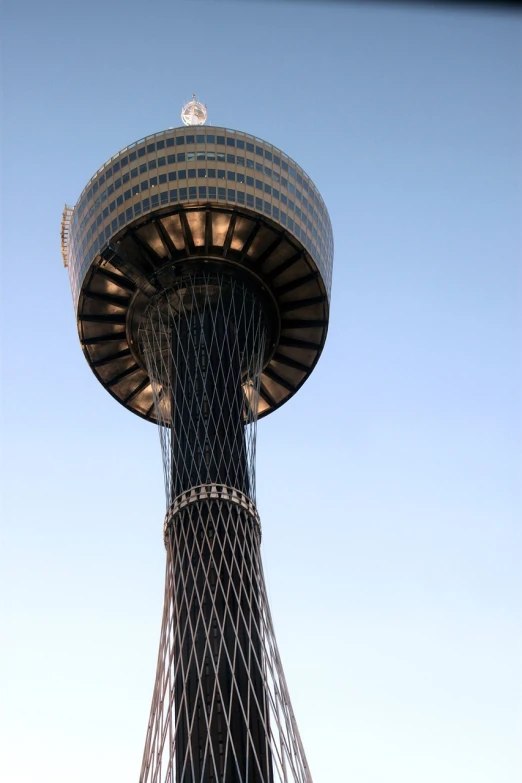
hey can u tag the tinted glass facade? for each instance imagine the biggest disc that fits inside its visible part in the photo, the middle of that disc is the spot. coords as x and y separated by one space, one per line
197 165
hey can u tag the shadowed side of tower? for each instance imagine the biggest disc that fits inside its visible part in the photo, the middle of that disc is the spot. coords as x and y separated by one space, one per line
202 308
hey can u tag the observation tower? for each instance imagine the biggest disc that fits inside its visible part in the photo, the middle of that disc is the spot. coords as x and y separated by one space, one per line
200 262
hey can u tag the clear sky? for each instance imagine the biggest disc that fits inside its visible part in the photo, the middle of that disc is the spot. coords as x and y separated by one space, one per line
388 488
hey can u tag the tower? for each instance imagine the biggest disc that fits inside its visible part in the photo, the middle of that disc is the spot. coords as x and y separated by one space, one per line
200 263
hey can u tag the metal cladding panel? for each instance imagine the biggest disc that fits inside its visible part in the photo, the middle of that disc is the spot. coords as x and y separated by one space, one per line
196 166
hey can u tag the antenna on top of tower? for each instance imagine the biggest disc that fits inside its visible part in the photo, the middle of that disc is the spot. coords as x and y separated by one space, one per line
194 112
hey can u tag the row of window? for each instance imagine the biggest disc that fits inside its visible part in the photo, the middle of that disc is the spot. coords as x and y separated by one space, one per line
209 138
89 247
182 157
210 173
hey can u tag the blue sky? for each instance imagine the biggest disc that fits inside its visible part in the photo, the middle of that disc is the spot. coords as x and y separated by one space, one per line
389 488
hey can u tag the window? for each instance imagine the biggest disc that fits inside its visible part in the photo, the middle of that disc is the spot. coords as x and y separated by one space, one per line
128 213
124 161
291 204
153 181
259 184
231 142
126 196
211 156
284 182
191 156
164 197
249 163
193 193
250 181
284 166
151 147
268 172
240 197
192 173
132 156
211 173
180 140
259 204
259 167
231 158
102 179
250 147
231 195
275 212
275 193
211 139
116 167
145 204
202 191
170 142
190 139
200 156
172 176
268 155
240 144
173 195
268 189
121 219
143 168
299 179
108 173
106 210
259 151
212 192
220 156
250 198
161 161
240 177
202 172
119 201
240 160
277 160
231 176
284 199
141 152
200 139
221 192
117 183
220 139
145 184
160 145
110 190
112 206
183 194
182 174
221 174
171 159
152 164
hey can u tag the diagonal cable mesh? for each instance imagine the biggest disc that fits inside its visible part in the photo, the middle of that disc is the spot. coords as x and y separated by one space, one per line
220 712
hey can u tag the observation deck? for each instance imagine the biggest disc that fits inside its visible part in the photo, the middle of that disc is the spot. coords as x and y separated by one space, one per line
198 195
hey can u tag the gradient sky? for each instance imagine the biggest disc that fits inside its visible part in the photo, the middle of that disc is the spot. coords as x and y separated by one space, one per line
388 488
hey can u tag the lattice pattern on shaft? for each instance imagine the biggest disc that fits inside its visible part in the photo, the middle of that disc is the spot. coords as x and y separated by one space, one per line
220 712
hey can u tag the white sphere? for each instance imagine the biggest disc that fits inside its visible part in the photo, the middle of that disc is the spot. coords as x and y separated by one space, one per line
193 112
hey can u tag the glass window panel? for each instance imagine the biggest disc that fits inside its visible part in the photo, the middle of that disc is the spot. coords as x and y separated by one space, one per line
145 204
161 161
259 151
191 156
190 138
240 197
268 189
153 181
180 140
211 173
220 139
192 173
231 158
231 176
268 155
110 190
240 144
202 172
172 176
231 142
164 197
155 200
259 167
193 192
152 164
259 184
202 191
250 181
180 157
116 167
145 184
240 177
275 212
220 156
259 204
160 145
284 165
121 219
249 163
132 156
151 147
212 192
200 156
119 201
231 194
277 159
250 146
141 152
249 198
143 168
170 142
221 174
211 156
173 194
221 193
183 194
200 139
108 173
182 174
124 161
211 139
117 183
240 160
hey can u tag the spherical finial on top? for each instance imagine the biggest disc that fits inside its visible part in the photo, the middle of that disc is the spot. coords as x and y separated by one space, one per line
194 112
